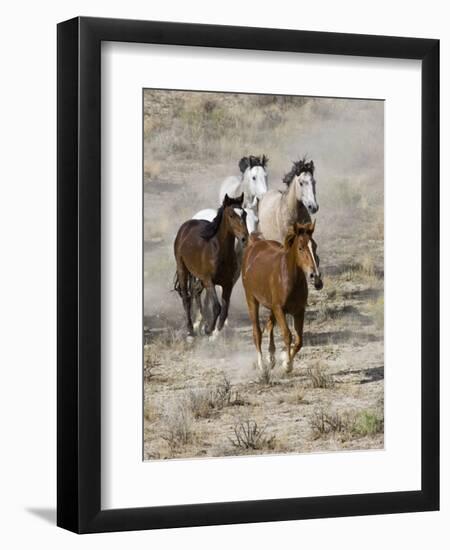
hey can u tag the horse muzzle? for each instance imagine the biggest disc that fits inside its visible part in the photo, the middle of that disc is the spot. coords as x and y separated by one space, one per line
313 208
318 283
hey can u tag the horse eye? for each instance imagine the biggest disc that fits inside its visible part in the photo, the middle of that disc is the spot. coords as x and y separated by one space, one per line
254 177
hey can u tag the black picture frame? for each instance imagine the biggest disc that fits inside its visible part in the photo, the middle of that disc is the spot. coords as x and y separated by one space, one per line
79 281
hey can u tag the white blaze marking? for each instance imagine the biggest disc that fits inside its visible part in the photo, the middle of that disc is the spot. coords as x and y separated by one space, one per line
316 269
306 191
238 211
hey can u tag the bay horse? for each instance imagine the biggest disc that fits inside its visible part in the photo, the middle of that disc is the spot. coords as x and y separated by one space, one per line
251 220
252 182
275 276
205 255
279 210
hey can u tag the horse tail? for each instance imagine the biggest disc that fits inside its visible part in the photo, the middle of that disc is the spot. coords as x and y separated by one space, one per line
176 284
194 285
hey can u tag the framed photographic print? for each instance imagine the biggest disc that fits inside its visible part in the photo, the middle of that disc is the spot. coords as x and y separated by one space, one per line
248 275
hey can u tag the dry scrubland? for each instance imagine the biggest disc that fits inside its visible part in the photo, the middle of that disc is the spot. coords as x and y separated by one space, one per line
208 399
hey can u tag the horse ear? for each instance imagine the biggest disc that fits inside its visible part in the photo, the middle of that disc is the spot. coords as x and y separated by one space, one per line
264 161
226 200
244 163
241 198
311 166
290 237
300 228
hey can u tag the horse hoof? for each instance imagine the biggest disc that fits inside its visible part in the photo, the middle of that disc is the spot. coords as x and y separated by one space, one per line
214 335
199 329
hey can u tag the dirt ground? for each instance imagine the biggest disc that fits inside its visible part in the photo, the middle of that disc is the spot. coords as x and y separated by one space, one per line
206 398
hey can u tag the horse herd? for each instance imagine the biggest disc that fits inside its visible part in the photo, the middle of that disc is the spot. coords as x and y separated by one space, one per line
264 235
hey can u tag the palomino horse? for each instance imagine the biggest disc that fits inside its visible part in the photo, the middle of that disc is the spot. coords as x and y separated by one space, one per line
205 251
209 214
278 211
276 276
253 181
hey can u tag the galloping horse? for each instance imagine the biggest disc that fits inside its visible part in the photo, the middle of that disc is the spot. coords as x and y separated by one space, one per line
275 276
279 210
253 181
205 250
251 220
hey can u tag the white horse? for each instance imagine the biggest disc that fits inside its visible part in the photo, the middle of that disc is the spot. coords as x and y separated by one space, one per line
252 182
251 220
279 210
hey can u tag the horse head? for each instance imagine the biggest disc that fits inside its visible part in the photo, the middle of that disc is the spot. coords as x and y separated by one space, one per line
302 176
299 241
254 176
235 217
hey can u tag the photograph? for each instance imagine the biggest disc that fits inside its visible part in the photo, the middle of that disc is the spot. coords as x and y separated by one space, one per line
263 283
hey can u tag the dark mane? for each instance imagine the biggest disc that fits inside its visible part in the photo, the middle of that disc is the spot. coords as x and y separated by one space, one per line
299 167
251 161
212 227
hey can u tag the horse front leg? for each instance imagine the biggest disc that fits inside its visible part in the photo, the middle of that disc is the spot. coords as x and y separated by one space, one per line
226 295
286 357
183 280
269 328
298 325
212 299
198 309
253 312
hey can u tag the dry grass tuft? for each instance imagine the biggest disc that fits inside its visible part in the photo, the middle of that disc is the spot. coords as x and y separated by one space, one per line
347 425
323 423
368 423
178 423
151 361
203 402
297 395
319 377
364 271
247 435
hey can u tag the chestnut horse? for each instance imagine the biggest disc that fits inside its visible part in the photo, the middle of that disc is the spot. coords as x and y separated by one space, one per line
276 276
205 255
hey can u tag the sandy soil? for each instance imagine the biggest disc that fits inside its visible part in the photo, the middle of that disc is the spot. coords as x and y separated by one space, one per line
206 398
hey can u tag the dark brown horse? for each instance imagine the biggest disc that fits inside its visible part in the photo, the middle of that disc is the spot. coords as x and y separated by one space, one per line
205 256
276 276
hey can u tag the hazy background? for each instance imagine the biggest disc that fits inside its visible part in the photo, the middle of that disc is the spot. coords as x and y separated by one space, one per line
193 140
200 398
